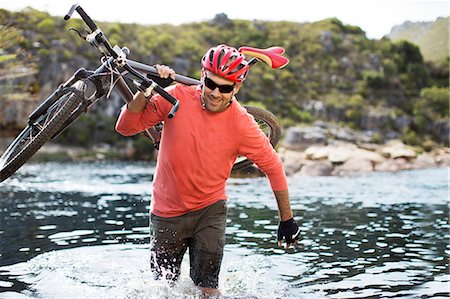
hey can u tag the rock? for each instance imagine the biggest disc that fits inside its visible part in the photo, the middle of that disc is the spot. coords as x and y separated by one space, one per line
370 146
338 154
343 158
221 20
440 128
393 165
341 153
403 163
375 119
442 156
387 166
292 160
373 157
317 152
352 166
348 135
396 149
298 138
326 37
424 161
321 168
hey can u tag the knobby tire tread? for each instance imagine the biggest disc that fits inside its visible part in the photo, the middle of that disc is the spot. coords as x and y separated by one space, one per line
15 162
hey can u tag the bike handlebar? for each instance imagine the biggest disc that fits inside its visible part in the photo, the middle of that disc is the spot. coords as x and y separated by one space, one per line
83 15
178 78
101 39
272 56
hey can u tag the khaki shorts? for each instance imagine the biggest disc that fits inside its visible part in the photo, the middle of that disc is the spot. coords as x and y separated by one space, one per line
202 231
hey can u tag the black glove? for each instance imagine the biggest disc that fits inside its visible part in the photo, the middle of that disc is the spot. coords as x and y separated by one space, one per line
288 230
163 82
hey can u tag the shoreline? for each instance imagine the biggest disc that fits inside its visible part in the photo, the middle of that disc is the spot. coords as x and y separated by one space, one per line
337 159
343 159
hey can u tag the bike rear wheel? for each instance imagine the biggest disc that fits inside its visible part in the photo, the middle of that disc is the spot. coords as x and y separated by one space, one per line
28 142
268 123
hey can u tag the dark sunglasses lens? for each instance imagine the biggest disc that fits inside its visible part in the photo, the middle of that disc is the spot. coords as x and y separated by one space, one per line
226 88
222 88
210 83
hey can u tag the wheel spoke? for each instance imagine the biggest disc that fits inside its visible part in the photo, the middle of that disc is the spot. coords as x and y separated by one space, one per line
37 133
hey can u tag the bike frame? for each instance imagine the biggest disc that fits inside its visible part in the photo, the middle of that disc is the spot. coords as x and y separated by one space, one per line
120 85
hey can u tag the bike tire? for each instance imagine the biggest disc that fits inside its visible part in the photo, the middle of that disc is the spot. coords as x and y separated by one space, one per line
269 124
35 135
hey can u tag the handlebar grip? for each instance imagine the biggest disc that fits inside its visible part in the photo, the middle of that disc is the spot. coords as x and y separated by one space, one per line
71 11
174 110
83 15
87 19
163 82
169 98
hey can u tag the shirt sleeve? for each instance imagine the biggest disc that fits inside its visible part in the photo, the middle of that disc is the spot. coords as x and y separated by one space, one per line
130 123
256 146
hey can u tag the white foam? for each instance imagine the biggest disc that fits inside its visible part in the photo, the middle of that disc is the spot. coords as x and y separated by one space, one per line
122 271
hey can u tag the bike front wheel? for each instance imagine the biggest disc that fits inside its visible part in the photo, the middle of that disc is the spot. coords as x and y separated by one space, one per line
268 123
31 139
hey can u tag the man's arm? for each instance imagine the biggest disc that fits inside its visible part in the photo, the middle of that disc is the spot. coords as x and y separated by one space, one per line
284 205
136 116
137 105
256 147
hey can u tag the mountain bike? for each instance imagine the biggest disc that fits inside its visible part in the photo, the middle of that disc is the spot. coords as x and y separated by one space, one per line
86 87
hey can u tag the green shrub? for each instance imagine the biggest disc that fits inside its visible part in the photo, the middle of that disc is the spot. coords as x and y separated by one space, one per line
46 26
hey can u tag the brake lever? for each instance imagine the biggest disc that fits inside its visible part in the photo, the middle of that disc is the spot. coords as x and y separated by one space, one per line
79 33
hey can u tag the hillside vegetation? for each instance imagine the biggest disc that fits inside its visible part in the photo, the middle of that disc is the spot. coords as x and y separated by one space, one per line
336 74
431 37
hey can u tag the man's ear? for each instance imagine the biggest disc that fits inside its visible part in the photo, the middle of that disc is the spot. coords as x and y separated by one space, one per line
202 78
237 87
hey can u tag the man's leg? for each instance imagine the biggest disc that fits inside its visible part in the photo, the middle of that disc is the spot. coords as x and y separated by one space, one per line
206 250
210 293
167 247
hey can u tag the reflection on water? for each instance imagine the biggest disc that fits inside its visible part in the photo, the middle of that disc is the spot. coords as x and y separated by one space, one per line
81 231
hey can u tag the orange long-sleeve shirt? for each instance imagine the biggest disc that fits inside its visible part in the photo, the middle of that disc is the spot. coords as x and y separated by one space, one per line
198 149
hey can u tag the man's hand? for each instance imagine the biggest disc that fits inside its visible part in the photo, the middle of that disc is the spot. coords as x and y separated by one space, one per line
288 230
165 72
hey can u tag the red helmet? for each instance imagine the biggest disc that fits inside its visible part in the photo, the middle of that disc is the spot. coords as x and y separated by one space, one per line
226 62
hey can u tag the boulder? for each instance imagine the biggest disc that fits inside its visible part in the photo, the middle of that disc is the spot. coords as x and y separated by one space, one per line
321 168
393 165
425 160
300 138
397 149
442 156
317 152
352 166
341 153
292 160
371 156
338 154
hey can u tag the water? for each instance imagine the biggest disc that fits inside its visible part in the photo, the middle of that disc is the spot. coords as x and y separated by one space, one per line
81 231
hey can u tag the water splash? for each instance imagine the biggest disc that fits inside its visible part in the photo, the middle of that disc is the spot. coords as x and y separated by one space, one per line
122 271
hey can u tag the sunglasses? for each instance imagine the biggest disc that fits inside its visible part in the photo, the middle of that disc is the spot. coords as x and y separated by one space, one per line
222 88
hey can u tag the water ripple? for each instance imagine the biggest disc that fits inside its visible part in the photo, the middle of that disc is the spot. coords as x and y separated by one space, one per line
376 235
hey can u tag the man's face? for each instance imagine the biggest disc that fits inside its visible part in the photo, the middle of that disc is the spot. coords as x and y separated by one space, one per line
214 99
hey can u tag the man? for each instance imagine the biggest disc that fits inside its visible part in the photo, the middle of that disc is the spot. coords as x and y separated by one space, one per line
197 151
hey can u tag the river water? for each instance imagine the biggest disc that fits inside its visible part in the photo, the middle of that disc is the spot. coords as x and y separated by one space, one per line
80 230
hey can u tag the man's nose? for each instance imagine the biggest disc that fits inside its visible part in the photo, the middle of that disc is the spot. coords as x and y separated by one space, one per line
216 92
